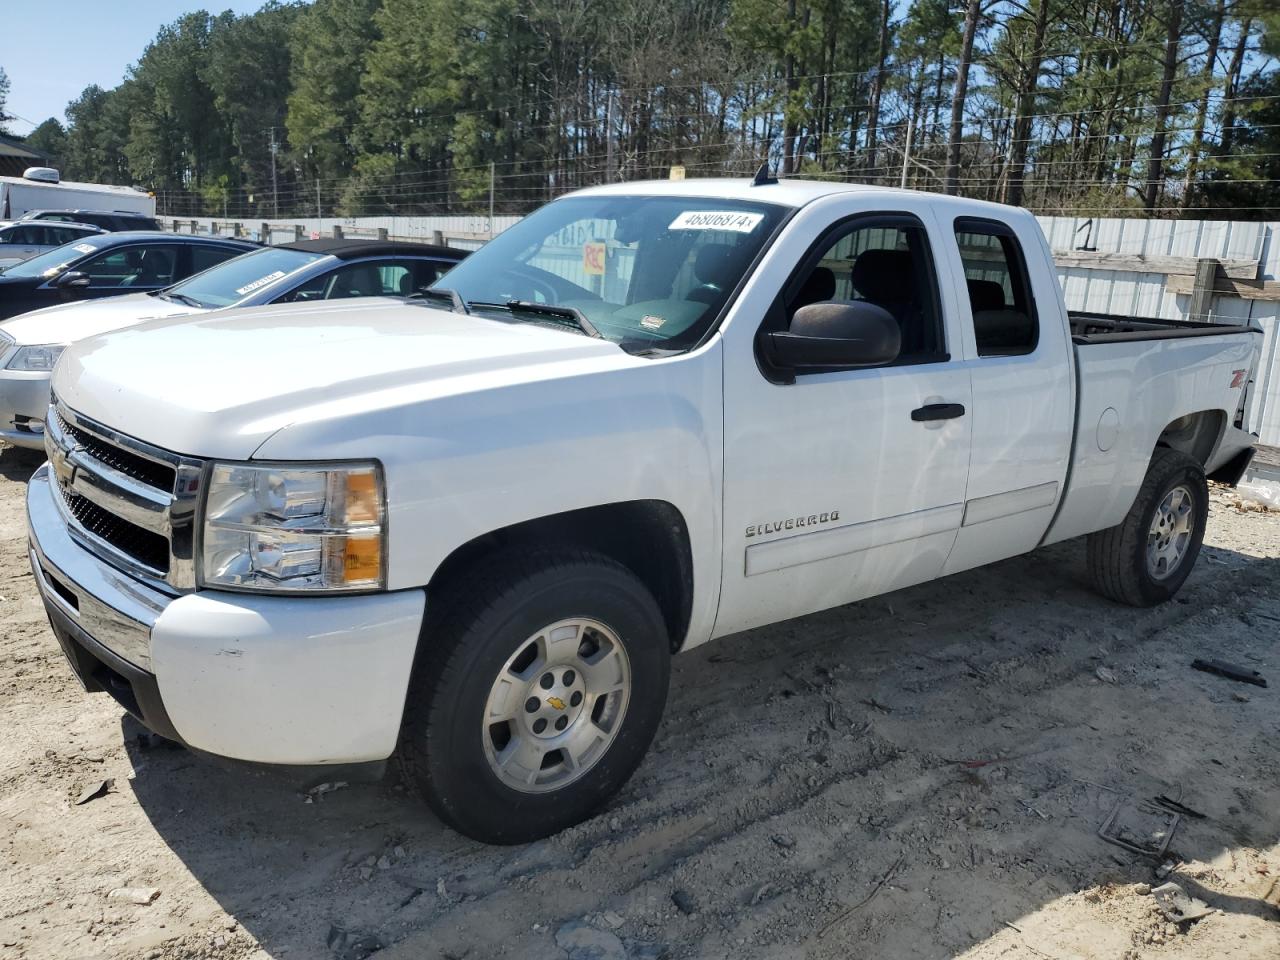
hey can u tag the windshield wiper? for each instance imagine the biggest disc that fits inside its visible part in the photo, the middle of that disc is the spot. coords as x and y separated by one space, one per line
444 294
556 312
179 297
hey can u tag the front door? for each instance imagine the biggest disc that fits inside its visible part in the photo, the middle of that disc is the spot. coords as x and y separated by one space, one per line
847 483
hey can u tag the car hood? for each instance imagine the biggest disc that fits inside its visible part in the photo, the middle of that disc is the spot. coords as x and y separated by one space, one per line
78 319
220 384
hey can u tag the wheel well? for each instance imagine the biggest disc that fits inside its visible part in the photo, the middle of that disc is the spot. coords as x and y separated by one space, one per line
648 537
1195 434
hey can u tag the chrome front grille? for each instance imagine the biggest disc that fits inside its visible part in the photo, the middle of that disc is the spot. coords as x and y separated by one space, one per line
129 502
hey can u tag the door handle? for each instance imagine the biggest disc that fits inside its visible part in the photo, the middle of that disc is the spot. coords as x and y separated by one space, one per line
938 411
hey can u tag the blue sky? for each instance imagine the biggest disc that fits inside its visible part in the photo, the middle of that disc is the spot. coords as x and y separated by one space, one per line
53 50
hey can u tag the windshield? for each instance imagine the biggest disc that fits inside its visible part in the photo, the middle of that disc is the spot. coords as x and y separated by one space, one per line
233 280
646 272
51 262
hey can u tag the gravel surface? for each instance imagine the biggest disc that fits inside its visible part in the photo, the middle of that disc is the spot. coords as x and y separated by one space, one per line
921 775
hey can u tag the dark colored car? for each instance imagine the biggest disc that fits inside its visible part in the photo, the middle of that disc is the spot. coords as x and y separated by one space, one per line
112 221
110 264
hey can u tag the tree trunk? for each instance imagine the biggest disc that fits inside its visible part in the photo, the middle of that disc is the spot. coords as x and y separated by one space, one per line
1026 106
1202 108
877 86
1233 88
788 115
1155 165
952 181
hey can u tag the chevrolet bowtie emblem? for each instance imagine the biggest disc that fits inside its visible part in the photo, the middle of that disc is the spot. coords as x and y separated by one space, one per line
556 702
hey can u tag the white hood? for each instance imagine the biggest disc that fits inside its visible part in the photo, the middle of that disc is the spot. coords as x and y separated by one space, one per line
220 384
78 319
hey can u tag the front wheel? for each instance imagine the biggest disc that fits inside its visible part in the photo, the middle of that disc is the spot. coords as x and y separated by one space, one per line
536 694
1146 558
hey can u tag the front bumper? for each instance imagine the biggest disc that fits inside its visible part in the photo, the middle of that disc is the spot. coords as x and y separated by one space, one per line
276 680
24 400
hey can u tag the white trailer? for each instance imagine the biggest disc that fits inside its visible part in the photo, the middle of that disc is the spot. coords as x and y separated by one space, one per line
40 188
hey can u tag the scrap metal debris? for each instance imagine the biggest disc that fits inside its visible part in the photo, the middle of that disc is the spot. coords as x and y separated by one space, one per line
320 789
1141 827
1229 670
1177 905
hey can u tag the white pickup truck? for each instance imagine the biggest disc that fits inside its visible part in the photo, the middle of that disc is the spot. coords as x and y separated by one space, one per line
471 531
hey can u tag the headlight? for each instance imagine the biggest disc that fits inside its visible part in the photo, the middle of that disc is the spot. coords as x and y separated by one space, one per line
35 358
290 528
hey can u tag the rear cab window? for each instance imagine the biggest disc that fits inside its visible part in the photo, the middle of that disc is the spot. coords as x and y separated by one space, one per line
1004 312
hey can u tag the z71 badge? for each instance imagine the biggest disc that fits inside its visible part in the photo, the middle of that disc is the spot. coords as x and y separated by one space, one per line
792 523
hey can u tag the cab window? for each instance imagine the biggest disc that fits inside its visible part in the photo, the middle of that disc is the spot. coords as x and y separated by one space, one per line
884 261
995 273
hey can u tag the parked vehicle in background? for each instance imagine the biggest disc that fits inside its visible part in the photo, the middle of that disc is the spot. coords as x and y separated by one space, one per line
657 413
112 221
309 270
21 240
42 188
110 264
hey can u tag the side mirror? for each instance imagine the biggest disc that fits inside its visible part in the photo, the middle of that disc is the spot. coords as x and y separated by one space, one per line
838 334
71 281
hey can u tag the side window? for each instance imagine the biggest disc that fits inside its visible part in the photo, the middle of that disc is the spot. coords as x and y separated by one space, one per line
1004 313
142 267
886 263
33 236
202 257
60 235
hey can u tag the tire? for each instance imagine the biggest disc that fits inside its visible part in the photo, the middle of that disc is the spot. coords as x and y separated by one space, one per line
1120 562
474 664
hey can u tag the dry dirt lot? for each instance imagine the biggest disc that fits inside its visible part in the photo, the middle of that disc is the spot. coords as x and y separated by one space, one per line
922 775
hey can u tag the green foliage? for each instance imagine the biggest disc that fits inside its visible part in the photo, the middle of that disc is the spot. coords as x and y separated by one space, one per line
50 141
406 106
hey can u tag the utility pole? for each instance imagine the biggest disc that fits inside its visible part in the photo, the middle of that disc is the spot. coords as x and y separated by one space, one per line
318 217
275 193
492 166
906 153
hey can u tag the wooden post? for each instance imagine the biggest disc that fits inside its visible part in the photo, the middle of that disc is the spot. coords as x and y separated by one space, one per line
195 228
264 234
337 232
297 231
437 237
382 233
176 224
1202 293
214 227
235 229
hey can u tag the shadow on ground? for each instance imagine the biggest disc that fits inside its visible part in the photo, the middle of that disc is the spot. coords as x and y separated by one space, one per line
900 778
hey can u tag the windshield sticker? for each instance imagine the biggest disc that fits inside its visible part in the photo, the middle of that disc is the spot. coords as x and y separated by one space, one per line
260 282
650 322
593 256
84 248
717 220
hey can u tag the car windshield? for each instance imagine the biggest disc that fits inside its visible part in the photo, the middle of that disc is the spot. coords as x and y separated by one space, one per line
51 262
233 280
649 273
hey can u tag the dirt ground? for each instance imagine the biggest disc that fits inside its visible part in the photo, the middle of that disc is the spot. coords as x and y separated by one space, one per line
922 775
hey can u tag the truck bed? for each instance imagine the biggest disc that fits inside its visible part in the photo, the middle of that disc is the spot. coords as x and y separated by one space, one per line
1089 328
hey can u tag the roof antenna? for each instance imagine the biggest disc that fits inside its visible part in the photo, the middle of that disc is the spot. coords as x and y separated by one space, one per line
762 177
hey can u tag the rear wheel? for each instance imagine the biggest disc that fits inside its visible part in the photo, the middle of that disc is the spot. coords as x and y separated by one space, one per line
536 694
1146 558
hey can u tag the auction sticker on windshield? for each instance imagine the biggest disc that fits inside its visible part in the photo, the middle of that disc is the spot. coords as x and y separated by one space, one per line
733 220
84 247
260 282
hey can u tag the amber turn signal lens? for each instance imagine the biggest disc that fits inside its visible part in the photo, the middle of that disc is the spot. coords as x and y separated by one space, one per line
362 498
362 560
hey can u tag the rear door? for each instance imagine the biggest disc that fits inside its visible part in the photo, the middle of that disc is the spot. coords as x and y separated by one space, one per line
841 484
1015 350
